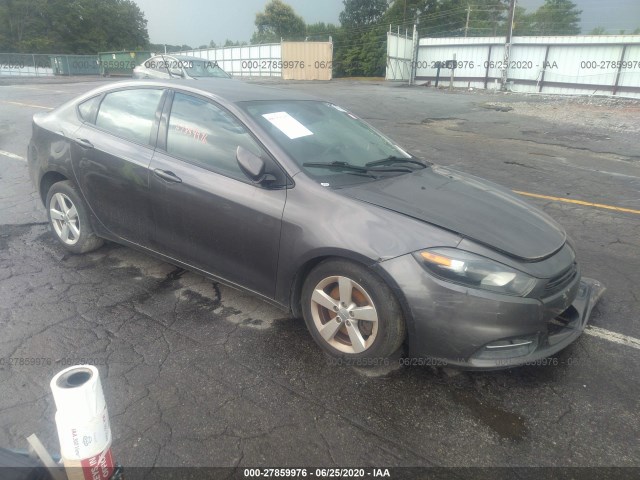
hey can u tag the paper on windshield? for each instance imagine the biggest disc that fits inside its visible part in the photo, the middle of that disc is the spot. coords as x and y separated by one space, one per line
288 125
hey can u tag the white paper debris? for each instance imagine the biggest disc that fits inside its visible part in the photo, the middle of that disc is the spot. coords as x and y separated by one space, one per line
288 125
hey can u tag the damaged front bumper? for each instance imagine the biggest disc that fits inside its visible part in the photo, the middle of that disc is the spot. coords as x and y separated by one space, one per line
561 331
452 325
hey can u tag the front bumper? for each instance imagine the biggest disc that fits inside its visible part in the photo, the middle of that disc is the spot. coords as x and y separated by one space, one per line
452 325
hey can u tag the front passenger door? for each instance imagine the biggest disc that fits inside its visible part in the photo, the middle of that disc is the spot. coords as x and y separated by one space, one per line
207 212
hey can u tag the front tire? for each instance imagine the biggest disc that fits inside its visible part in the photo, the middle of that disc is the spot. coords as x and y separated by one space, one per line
69 219
351 312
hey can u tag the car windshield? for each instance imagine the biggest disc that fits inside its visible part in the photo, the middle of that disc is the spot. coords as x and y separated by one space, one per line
204 68
329 143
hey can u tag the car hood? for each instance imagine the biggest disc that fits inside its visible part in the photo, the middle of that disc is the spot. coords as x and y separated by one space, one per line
469 206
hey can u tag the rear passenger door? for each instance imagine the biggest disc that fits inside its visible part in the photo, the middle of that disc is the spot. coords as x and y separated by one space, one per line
207 212
111 153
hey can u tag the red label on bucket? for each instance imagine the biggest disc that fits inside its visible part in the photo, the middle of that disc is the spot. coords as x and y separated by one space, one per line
98 467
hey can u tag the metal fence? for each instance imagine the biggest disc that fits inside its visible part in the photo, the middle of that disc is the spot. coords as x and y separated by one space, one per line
399 55
583 64
247 61
44 65
25 65
266 60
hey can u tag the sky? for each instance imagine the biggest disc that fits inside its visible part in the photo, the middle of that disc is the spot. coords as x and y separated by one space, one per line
196 22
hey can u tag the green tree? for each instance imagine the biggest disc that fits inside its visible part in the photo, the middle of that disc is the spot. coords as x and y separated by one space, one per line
598 31
406 12
231 43
77 26
159 47
358 13
558 17
19 20
523 23
359 46
278 21
487 18
320 31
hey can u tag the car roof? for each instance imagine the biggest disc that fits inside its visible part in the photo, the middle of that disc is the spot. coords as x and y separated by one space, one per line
227 90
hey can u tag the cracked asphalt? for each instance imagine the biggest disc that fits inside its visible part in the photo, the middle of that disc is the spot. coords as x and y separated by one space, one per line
198 374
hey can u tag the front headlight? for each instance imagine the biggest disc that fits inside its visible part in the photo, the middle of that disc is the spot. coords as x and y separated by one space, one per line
475 271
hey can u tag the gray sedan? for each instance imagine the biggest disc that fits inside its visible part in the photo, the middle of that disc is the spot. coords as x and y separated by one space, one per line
302 203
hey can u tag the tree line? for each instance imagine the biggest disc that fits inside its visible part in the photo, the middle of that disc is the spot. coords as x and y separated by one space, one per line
71 26
359 41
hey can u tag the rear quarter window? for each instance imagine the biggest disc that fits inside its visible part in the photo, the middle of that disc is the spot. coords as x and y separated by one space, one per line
130 114
87 109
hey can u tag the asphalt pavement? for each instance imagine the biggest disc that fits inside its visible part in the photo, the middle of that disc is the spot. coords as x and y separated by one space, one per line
198 374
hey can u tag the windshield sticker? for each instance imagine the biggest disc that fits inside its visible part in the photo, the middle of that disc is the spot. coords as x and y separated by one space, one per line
288 125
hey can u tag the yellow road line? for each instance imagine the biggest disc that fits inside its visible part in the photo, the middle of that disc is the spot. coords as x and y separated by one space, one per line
579 202
28 105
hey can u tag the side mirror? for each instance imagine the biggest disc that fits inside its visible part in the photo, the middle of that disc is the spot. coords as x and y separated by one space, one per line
251 164
177 72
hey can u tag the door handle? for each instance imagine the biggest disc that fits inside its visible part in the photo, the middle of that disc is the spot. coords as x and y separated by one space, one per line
167 176
84 143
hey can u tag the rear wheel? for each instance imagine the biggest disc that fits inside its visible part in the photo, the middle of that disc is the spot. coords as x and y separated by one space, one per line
69 220
351 312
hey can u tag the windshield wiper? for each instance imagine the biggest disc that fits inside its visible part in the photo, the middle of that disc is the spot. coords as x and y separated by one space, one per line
392 160
354 169
358 170
338 165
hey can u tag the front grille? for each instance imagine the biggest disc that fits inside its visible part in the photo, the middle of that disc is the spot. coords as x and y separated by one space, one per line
560 281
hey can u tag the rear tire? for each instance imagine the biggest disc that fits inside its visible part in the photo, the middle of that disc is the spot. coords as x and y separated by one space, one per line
69 219
351 312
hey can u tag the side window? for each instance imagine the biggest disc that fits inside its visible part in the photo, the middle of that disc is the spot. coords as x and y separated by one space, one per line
208 136
129 113
87 109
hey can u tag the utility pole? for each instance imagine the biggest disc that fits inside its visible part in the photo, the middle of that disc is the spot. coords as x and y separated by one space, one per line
414 55
466 25
507 45
452 72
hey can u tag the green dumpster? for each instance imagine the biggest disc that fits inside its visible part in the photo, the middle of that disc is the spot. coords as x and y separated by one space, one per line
120 63
75 64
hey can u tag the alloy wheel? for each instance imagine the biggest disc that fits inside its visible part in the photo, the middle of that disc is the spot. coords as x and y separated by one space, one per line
64 218
344 314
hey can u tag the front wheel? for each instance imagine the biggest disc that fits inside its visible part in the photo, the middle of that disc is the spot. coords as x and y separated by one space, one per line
350 312
69 220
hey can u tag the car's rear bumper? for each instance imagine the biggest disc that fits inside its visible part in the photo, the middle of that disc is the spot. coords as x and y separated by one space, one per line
452 325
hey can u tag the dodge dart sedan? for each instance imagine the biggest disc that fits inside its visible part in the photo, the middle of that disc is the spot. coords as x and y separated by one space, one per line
302 203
